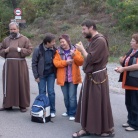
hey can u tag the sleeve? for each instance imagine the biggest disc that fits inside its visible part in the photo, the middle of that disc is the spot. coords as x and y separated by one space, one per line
2 49
78 58
97 54
35 58
58 62
27 49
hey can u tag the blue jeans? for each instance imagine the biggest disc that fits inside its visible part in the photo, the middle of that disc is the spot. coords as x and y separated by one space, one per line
48 81
70 97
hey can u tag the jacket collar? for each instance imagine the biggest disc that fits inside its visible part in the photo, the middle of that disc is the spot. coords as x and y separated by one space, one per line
61 50
41 47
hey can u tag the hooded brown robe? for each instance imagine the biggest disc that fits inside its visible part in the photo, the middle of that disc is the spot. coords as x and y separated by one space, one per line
16 86
94 109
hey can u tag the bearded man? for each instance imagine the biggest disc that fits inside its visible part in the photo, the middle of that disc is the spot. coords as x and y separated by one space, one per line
16 87
94 109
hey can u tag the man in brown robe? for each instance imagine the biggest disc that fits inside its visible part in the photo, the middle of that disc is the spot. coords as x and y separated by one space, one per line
16 87
94 109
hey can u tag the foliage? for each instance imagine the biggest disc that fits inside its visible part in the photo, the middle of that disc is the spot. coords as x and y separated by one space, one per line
125 12
5 16
27 34
95 5
64 27
65 16
29 10
43 8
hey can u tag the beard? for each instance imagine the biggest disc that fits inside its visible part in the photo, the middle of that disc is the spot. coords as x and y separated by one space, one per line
88 36
13 34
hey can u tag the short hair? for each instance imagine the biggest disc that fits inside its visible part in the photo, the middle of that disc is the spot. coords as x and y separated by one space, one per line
135 36
89 23
48 38
14 23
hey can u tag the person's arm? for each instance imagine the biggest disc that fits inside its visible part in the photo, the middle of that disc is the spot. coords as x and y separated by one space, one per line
127 68
121 60
81 48
58 62
27 49
3 49
78 58
35 58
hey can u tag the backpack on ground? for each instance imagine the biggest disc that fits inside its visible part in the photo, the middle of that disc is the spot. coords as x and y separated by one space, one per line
40 111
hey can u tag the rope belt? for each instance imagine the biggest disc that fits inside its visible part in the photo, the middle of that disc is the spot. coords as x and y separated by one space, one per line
95 82
6 72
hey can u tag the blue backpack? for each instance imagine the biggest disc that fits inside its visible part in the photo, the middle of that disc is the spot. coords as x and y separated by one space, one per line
40 111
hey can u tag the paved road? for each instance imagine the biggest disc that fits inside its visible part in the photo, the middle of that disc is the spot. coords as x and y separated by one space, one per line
14 124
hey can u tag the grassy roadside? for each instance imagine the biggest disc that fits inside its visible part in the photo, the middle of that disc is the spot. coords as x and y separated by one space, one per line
113 59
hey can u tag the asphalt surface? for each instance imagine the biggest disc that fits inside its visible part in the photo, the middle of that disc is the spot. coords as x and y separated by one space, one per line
14 124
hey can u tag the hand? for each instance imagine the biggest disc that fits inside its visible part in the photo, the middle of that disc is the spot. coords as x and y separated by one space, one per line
119 69
80 46
7 50
72 53
121 59
18 49
69 61
37 80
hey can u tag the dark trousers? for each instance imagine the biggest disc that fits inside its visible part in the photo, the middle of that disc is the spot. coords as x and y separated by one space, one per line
131 101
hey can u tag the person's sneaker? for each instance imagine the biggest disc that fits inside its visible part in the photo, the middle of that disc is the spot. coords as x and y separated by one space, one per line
53 115
71 118
64 114
125 125
129 129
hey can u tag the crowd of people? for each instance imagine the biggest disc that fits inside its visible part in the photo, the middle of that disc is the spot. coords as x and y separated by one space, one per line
49 63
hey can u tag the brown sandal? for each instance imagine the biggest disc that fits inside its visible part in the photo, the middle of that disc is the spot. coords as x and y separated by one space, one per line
108 134
78 134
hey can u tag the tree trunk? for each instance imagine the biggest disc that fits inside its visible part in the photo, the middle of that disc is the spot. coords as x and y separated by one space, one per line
14 3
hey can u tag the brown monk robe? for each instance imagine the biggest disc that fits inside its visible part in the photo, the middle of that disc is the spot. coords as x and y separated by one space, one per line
96 114
94 109
16 86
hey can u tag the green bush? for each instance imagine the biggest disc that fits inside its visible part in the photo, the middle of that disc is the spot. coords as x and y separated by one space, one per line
29 10
6 14
95 5
125 12
64 27
27 34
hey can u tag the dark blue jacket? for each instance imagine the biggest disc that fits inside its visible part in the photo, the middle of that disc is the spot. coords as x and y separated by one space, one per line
38 61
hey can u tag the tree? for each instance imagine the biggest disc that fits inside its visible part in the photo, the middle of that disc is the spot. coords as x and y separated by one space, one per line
125 12
14 3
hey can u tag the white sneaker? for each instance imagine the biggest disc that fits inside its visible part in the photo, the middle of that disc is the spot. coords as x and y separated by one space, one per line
129 129
64 114
53 115
72 118
125 125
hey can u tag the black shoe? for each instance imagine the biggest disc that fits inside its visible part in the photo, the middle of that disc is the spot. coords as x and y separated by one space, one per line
8 109
2 109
